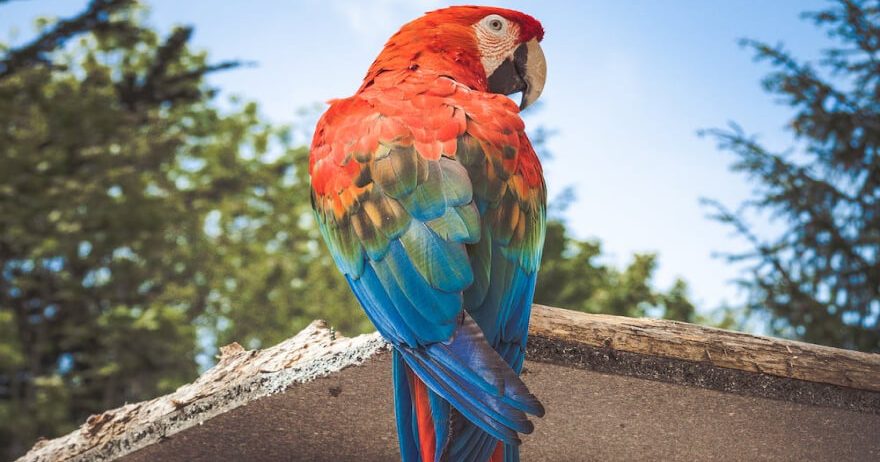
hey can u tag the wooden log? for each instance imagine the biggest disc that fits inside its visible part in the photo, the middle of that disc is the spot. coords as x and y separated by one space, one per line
721 348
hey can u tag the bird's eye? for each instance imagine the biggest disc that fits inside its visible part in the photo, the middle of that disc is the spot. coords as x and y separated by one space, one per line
494 23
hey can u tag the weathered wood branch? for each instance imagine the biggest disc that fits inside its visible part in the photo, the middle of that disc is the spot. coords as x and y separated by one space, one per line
239 377
721 348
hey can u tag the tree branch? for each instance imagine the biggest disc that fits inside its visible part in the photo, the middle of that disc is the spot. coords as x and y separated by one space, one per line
97 14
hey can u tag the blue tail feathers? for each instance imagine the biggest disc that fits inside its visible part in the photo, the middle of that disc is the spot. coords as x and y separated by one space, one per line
489 401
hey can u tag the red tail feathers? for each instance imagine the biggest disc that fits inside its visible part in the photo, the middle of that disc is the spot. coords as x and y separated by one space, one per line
427 437
498 454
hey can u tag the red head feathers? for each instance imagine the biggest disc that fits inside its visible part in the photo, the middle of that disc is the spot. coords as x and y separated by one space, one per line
470 42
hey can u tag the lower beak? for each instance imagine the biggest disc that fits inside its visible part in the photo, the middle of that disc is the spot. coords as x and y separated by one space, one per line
524 72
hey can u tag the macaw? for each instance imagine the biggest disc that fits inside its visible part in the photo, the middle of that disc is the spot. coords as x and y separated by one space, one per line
432 201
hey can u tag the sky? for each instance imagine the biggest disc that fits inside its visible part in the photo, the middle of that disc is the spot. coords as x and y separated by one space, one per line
629 85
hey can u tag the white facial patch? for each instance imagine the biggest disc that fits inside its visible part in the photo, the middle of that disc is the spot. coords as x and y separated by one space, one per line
496 41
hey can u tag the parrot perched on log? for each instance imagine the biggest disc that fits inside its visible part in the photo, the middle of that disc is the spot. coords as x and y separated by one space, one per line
432 201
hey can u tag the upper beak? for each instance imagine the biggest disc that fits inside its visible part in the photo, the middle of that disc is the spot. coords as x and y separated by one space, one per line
524 72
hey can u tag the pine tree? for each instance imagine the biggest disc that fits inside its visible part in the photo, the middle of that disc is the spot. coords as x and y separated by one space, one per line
819 279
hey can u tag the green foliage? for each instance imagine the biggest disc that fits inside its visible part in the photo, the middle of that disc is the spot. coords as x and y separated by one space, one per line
574 277
818 279
139 226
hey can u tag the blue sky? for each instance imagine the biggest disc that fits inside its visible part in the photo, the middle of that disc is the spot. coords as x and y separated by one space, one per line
629 84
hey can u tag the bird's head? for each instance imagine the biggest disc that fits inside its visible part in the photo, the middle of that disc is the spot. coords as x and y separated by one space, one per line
486 48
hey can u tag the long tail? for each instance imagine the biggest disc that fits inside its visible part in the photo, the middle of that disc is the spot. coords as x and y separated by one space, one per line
460 401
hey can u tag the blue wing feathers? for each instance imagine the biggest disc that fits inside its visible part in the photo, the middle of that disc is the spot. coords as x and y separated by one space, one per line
470 442
456 182
459 224
467 372
440 416
408 293
371 294
464 406
442 264
407 438
428 201
344 248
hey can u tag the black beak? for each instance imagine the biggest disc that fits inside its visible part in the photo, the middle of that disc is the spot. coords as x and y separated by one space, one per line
524 72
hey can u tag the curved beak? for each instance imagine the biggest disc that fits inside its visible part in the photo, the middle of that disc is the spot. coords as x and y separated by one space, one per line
524 72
